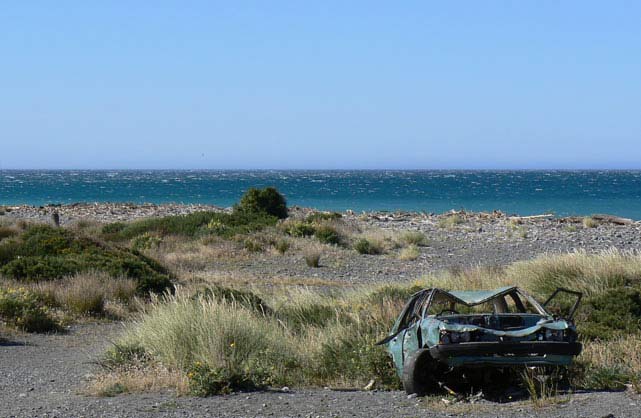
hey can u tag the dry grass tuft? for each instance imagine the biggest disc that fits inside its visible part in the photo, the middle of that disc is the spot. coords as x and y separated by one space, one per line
312 257
450 221
409 253
416 238
138 380
88 293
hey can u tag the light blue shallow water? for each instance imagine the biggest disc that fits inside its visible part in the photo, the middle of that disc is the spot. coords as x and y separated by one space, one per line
522 192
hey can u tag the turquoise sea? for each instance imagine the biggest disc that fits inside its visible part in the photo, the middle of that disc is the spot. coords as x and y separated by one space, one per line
521 192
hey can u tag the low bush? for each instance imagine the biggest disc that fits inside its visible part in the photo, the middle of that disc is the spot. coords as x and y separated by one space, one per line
409 253
366 246
416 238
597 377
349 353
21 309
450 221
224 345
86 293
613 313
312 258
205 380
268 201
327 235
282 245
320 217
145 241
225 339
608 365
590 222
119 355
191 225
253 245
298 229
46 253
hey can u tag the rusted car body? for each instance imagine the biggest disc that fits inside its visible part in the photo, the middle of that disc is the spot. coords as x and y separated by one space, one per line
440 330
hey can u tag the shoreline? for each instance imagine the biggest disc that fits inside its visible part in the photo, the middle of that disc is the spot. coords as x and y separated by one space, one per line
126 211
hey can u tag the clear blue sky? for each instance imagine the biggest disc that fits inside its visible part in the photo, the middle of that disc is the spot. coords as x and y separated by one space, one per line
189 84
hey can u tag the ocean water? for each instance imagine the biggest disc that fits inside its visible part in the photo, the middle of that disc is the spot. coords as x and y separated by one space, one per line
521 192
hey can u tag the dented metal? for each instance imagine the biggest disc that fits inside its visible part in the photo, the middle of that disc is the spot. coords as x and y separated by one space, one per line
455 331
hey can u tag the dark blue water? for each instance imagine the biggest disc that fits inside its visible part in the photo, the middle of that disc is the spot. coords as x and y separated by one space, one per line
522 192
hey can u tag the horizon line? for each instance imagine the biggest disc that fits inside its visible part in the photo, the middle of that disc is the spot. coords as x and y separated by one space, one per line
329 169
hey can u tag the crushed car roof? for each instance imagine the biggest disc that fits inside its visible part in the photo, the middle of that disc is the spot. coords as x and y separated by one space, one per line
476 297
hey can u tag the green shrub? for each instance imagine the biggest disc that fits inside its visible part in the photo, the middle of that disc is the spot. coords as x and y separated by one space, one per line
299 229
22 309
266 200
199 223
365 246
44 240
123 354
253 246
282 246
595 377
608 315
47 253
145 241
414 238
39 268
352 354
318 217
205 380
327 235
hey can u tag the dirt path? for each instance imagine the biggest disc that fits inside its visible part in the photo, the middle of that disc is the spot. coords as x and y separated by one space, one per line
42 376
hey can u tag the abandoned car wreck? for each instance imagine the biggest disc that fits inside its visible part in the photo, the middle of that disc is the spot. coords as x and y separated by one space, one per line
439 331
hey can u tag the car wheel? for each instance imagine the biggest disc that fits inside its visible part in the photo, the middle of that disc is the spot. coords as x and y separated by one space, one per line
418 373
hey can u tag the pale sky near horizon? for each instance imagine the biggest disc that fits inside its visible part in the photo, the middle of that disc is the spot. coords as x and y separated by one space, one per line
415 84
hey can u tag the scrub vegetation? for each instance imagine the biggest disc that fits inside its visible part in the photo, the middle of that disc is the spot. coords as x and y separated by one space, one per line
204 335
303 337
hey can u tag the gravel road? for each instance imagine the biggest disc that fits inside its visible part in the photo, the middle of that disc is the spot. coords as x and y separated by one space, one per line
43 376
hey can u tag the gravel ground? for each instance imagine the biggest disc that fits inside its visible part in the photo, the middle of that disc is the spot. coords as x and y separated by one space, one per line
481 239
43 376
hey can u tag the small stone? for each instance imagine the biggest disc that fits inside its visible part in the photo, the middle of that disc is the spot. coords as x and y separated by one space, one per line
412 396
285 389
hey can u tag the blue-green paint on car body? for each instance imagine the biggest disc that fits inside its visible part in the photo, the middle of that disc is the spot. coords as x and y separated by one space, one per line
415 329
